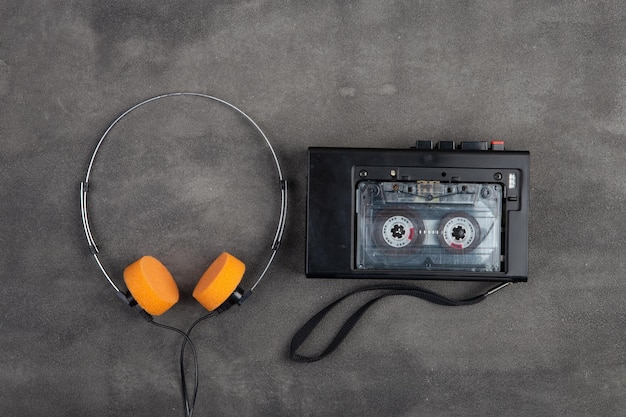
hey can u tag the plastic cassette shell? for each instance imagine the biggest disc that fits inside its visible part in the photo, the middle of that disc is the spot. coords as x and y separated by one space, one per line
407 225
333 178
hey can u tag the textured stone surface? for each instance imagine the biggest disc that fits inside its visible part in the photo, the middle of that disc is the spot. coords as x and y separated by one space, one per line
184 180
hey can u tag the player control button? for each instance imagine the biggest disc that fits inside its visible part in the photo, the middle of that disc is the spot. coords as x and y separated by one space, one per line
497 145
424 144
474 146
446 145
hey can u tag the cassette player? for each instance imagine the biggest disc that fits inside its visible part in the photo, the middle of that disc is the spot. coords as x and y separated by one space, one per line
442 212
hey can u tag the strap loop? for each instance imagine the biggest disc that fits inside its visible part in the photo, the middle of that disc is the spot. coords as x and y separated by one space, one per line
388 290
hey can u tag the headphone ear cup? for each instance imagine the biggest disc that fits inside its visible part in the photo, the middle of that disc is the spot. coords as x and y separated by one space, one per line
219 281
151 285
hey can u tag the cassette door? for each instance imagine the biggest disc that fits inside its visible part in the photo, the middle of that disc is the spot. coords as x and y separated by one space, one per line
428 226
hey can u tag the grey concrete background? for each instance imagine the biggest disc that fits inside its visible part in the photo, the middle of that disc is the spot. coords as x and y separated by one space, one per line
184 180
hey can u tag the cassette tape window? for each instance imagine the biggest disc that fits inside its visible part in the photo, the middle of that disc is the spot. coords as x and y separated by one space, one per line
428 226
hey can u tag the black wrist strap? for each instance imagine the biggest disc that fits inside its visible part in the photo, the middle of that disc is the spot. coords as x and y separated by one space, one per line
387 290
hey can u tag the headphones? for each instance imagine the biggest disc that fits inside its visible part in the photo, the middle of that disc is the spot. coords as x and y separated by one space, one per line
149 284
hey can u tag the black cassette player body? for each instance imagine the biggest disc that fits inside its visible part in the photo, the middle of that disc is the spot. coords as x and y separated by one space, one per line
446 212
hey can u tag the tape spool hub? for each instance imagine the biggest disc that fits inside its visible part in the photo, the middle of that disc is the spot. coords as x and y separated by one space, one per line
459 231
397 232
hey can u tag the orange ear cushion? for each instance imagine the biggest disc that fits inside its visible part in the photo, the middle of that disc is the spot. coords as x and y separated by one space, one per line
219 281
152 285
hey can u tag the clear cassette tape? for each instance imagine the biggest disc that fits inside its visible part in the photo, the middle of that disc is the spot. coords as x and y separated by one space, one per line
428 226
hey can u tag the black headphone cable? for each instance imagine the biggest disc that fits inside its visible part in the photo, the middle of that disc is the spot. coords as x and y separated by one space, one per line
188 402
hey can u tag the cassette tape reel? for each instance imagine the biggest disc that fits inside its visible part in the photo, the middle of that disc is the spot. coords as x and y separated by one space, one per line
459 231
428 226
395 232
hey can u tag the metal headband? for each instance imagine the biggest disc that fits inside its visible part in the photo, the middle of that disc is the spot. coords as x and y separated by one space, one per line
84 188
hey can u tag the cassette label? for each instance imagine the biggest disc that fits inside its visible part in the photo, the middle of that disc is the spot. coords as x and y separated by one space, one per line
429 226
